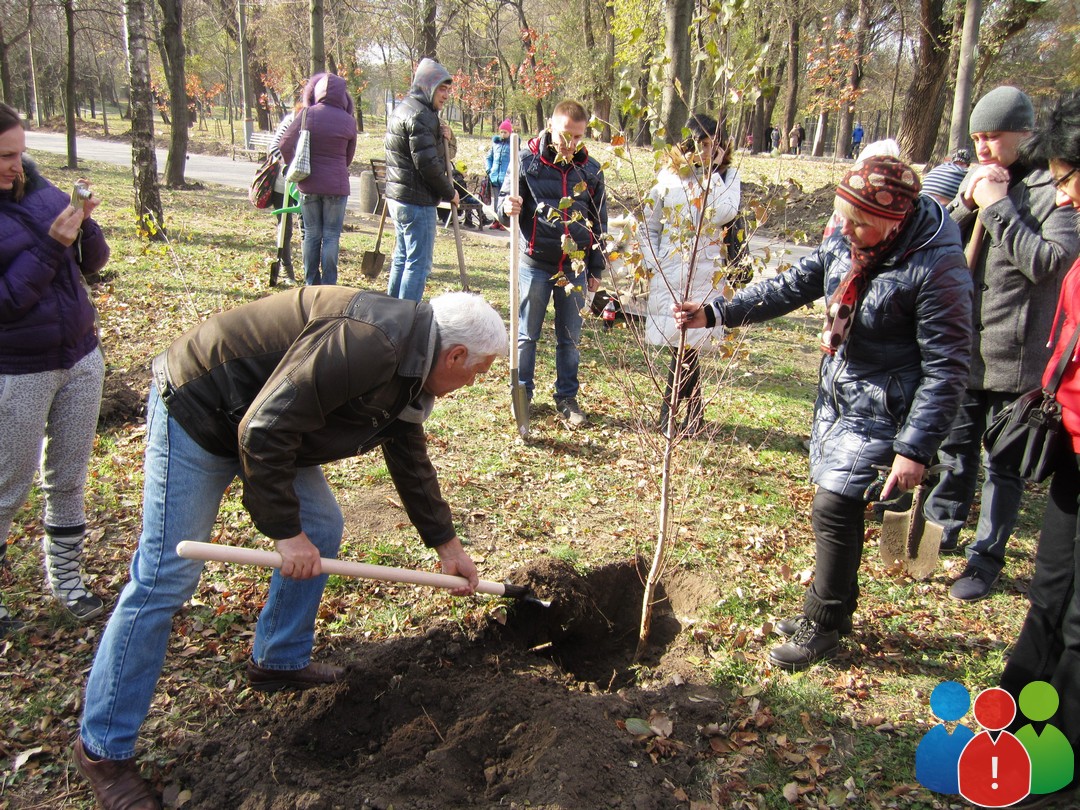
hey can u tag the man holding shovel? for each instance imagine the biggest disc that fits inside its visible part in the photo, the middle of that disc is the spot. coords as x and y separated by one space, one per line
268 392
417 179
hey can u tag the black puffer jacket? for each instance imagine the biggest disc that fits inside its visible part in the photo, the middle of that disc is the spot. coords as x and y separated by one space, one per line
415 171
543 184
895 385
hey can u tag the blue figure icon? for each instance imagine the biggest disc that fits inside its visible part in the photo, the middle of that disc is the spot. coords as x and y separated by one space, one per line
938 754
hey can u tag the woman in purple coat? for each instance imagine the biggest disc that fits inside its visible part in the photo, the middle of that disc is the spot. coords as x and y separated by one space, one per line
51 368
328 115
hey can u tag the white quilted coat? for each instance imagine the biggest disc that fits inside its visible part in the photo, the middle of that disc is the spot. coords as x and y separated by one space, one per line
668 237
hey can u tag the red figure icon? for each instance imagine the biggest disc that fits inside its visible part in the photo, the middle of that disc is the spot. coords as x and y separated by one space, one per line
994 773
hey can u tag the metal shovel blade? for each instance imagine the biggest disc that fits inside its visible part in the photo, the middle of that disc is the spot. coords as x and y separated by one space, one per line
373 260
372 263
907 538
519 399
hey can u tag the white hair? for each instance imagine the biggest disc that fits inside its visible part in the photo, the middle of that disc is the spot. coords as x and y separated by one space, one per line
464 319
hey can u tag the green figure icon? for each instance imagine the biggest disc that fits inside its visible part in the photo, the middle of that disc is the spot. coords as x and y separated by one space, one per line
1051 755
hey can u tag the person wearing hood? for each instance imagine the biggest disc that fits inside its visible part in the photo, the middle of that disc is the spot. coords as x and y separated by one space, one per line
51 366
1019 245
562 251
896 343
328 116
416 177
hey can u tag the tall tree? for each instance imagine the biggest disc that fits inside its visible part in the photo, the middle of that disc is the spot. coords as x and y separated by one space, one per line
318 40
793 13
677 73
965 73
143 158
70 99
173 57
924 101
8 41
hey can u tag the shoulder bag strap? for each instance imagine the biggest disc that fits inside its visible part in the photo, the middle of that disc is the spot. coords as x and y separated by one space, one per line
1059 372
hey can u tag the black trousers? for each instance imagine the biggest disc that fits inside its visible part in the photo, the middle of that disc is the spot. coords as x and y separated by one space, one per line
1048 648
839 530
689 394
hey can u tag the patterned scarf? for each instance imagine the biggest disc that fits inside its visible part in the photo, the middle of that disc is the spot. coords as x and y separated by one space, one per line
884 187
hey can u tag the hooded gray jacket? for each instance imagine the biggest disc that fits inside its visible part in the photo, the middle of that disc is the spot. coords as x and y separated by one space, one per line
415 171
896 383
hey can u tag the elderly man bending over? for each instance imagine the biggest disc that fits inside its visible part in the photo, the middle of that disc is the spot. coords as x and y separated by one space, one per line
267 392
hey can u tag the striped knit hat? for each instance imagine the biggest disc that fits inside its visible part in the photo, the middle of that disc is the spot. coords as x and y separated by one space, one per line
882 186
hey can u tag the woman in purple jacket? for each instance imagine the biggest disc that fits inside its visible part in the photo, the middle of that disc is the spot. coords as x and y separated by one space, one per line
51 367
328 115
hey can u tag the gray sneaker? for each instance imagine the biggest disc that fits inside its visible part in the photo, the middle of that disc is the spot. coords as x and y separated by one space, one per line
569 410
973 584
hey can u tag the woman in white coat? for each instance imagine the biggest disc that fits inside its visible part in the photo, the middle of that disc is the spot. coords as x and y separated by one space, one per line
695 198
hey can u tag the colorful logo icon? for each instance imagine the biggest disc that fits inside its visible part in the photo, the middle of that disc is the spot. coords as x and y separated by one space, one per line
994 768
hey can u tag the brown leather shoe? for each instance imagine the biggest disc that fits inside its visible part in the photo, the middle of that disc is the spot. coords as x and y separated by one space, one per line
116 783
271 680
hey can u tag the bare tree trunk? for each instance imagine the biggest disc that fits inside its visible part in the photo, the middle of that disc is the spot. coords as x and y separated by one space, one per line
924 104
899 6
677 75
69 86
965 71
143 158
318 42
791 92
429 40
172 41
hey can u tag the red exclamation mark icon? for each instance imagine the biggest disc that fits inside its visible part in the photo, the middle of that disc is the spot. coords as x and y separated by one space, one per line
993 772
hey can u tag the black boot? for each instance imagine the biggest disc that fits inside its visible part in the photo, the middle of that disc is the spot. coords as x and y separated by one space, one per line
789 627
275 268
807 646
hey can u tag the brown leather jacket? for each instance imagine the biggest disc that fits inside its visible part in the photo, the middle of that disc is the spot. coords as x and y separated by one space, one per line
302 378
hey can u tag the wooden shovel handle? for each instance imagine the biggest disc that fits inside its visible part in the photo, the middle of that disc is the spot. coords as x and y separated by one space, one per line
189 549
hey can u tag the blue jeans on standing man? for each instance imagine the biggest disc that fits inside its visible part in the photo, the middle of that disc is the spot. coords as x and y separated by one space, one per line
182 491
414 249
536 287
949 502
324 216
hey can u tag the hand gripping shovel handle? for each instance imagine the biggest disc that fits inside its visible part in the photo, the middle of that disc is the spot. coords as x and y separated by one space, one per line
192 550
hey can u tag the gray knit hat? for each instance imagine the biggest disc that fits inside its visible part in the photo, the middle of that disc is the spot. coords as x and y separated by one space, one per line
1003 109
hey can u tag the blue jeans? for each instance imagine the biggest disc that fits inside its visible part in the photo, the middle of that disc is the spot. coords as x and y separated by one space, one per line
324 216
182 491
949 502
536 288
414 248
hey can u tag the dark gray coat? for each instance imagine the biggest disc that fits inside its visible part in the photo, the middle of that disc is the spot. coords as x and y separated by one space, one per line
895 385
1028 246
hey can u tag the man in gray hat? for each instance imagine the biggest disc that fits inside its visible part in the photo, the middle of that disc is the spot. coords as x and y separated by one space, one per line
1019 245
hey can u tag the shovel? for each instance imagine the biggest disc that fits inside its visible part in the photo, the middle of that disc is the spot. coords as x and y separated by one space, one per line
908 538
454 219
372 262
519 397
192 550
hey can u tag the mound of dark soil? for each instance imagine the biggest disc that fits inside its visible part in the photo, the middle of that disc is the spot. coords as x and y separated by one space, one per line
525 713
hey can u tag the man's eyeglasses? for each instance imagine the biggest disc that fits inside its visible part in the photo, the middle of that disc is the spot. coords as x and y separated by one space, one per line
1061 181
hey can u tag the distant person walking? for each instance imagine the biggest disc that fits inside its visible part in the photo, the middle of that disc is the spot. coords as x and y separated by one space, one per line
328 116
856 141
416 177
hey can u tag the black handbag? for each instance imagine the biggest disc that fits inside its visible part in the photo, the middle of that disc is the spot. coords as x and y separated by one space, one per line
1027 435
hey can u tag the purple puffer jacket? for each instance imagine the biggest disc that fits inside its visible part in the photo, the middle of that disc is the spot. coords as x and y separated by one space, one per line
333 135
46 318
